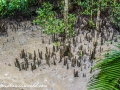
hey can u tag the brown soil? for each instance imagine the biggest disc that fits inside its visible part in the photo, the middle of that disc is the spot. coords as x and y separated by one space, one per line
55 77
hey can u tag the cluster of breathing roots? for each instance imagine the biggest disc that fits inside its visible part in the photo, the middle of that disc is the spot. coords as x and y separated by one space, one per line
66 54
74 53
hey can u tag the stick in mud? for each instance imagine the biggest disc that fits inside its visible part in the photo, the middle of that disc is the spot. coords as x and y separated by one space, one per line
23 67
46 50
74 73
64 61
31 67
34 59
60 59
38 62
34 53
53 48
26 66
41 55
22 54
54 61
43 41
67 66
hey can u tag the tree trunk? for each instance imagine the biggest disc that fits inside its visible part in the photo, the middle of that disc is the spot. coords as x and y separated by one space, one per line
66 22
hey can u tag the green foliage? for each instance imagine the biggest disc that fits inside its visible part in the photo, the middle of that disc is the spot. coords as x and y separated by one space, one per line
91 24
87 11
56 43
3 5
110 8
9 8
115 16
50 24
109 74
81 54
46 18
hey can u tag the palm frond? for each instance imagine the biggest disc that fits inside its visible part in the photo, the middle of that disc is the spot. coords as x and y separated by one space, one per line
109 75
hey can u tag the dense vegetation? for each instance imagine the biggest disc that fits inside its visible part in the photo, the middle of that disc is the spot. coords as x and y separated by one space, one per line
110 9
13 8
52 23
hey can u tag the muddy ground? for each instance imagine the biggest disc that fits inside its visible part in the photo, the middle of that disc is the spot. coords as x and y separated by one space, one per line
53 77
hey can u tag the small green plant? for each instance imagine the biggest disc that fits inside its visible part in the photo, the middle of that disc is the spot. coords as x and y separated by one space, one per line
56 43
81 54
87 11
91 24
